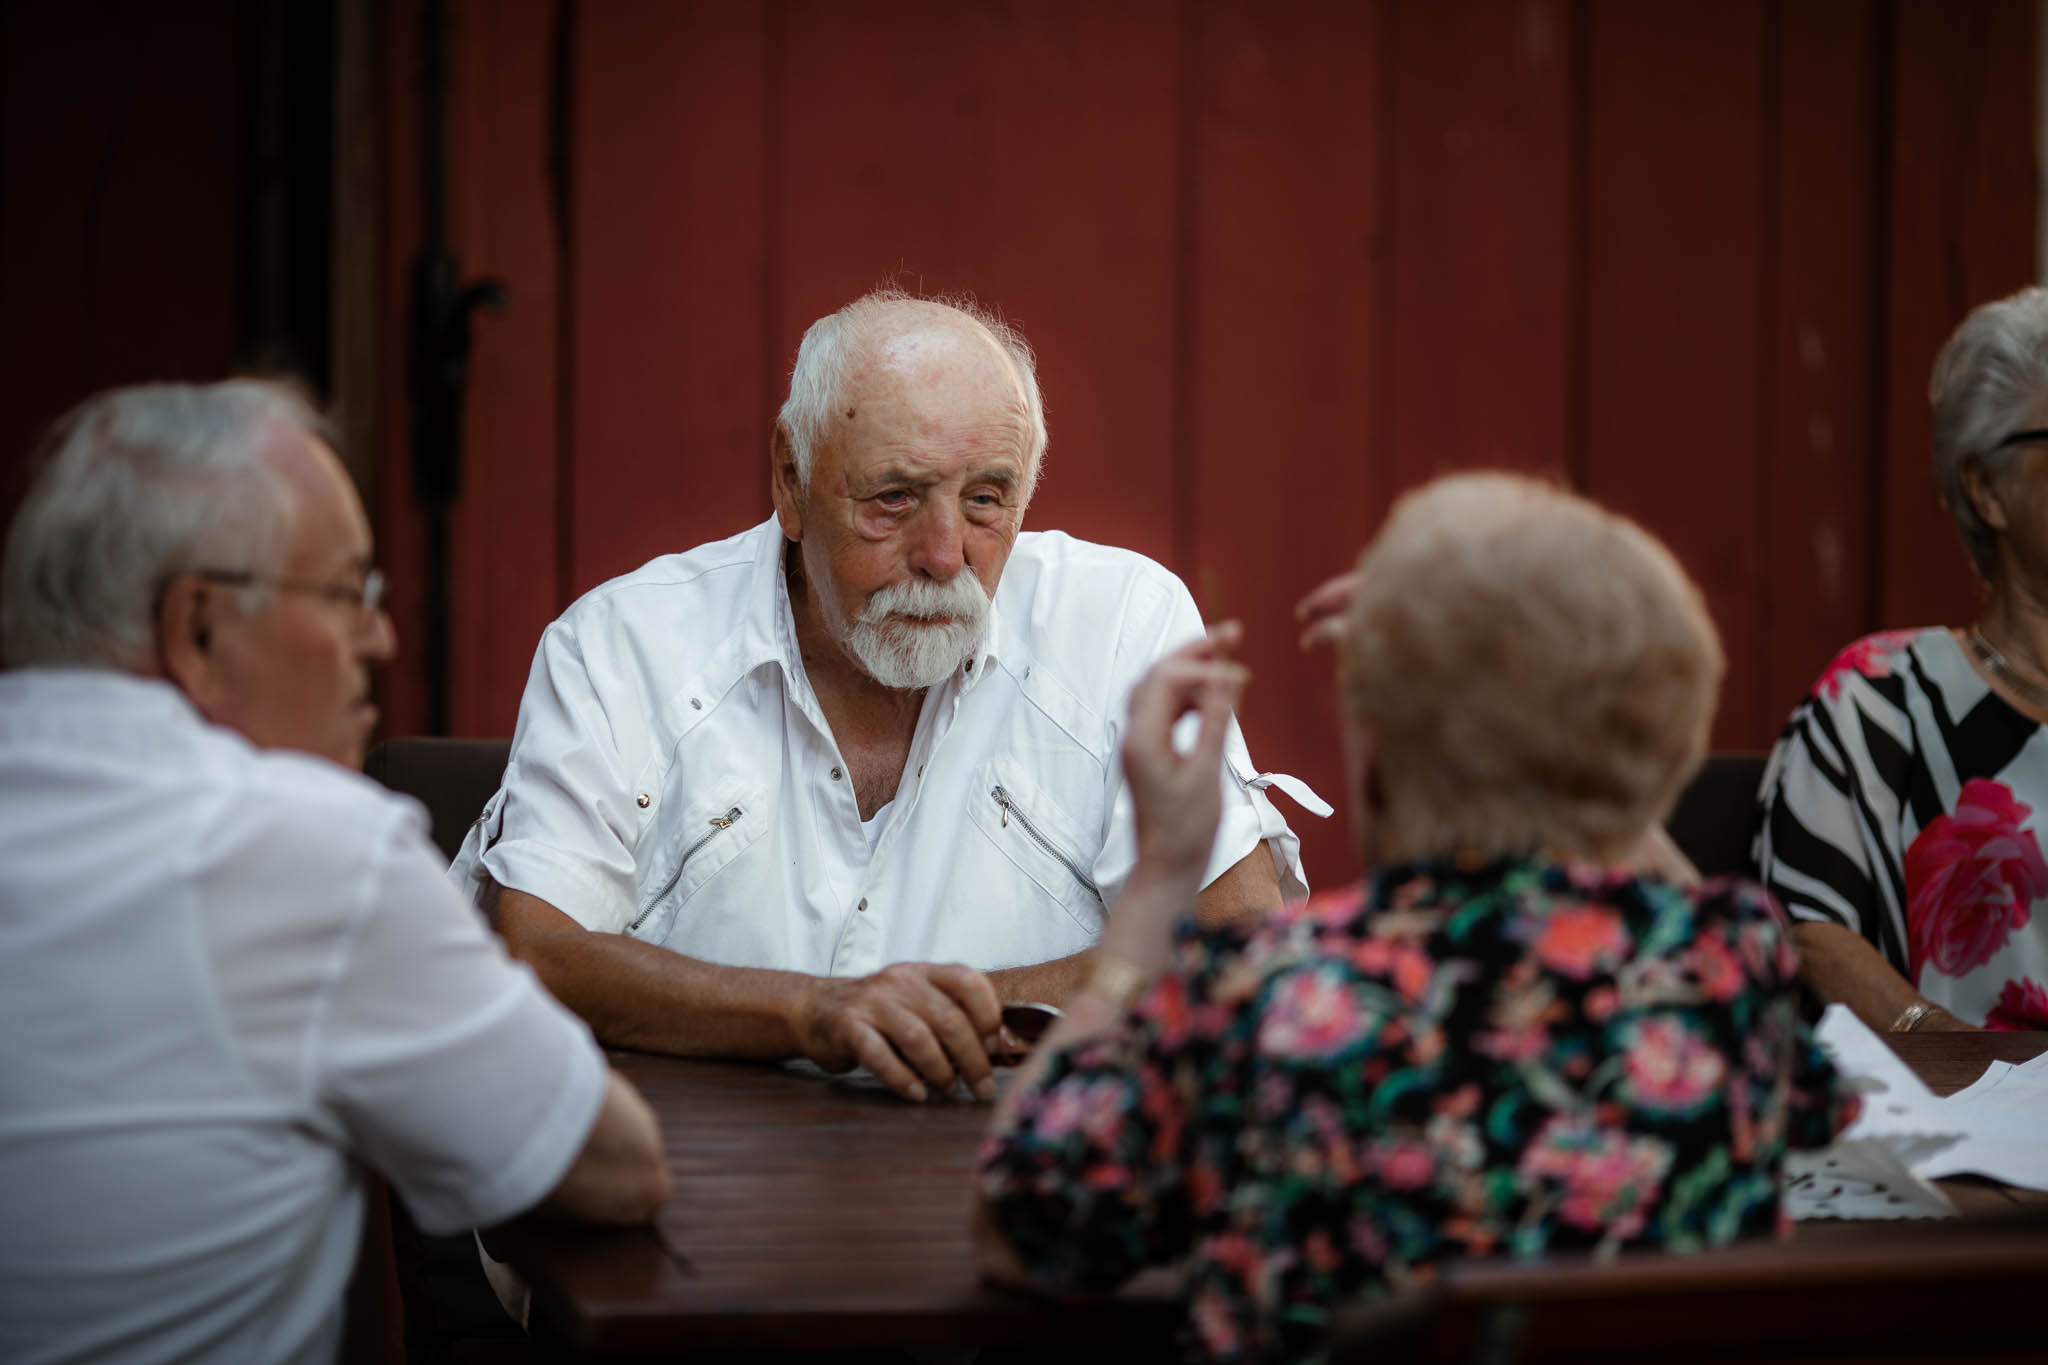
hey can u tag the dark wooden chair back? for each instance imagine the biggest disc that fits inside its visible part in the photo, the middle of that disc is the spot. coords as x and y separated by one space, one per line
1715 817
450 1311
1955 1293
452 778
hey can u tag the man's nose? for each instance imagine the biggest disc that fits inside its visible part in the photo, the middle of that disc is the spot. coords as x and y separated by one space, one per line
940 549
379 636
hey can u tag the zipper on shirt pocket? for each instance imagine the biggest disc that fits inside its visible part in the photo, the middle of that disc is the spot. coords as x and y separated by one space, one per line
719 825
1010 812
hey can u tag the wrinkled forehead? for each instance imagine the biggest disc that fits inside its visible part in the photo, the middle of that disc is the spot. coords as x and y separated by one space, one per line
940 375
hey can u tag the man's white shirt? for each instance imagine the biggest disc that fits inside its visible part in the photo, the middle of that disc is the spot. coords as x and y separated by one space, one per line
225 974
672 776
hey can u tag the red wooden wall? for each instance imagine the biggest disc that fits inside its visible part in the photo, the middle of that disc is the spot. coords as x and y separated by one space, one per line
1279 261
120 210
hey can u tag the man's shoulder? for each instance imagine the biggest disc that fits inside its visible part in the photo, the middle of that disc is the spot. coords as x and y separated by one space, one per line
707 585
1094 615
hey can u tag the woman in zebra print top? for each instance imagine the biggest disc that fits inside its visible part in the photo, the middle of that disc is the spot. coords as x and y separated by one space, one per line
1899 810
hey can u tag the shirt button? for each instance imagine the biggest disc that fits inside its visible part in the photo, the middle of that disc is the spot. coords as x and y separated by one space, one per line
696 705
970 665
863 904
835 774
643 800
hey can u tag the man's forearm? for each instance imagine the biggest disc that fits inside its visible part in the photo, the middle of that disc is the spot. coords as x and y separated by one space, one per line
1047 983
639 995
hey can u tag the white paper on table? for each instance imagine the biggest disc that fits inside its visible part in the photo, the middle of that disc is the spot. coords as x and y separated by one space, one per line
1874 1168
2004 1118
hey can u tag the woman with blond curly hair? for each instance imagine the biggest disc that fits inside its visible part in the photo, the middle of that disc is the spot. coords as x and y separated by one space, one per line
1507 1041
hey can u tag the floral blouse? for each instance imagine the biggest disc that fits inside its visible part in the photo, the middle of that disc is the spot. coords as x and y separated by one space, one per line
1900 802
1451 1061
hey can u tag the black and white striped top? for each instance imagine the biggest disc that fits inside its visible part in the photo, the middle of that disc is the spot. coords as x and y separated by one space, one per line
1900 802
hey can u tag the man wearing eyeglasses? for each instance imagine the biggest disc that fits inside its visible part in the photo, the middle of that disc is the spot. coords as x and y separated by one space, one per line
231 970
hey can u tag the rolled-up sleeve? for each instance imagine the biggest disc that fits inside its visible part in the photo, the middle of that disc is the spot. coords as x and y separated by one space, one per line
1249 815
563 826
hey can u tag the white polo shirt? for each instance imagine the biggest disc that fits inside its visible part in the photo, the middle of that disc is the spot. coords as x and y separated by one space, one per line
672 776
226 976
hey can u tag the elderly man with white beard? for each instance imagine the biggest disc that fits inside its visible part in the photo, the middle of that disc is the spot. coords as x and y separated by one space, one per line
841 786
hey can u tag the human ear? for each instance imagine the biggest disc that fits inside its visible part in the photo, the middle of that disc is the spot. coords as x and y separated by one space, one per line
1982 491
784 485
185 637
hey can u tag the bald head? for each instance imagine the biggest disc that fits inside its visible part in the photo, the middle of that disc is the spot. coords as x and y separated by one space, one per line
890 349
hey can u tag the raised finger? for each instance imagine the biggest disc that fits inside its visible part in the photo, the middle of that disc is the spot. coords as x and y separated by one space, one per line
872 1051
1331 597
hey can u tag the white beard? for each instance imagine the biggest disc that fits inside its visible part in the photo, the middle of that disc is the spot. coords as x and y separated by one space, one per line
895 640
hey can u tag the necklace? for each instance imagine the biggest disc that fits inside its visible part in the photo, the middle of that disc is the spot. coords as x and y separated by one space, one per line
2002 666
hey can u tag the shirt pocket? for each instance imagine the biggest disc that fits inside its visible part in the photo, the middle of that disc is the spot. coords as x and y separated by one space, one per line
689 850
1039 837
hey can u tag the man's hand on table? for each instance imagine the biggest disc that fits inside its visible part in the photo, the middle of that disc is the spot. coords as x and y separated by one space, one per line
918 1026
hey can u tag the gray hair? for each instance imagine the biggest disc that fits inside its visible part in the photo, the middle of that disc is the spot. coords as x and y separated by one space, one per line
833 341
135 485
1991 373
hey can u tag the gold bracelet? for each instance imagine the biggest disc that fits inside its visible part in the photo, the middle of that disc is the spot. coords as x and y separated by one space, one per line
1910 1017
1118 980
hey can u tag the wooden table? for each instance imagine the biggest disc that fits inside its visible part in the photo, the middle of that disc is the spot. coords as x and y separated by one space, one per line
810 1213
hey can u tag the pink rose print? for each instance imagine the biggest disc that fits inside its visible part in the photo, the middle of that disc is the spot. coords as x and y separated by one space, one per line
1603 1179
1577 940
1670 1069
2022 1006
1311 1014
1873 656
1971 880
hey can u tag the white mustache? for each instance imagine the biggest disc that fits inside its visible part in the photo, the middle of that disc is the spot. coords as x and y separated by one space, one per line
961 596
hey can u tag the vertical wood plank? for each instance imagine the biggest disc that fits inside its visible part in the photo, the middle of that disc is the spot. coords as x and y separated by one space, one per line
1675 255
502 541
1479 348
1286 239
1020 153
669 437
401 687
1817 504
1961 232
120 206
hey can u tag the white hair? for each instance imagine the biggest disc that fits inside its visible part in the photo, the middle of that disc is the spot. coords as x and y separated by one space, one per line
1989 376
135 485
829 348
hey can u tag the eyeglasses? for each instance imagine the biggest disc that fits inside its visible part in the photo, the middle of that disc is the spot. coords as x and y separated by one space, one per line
367 598
2019 438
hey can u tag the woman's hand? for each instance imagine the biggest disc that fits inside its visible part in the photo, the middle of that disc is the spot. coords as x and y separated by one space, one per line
1178 796
1323 612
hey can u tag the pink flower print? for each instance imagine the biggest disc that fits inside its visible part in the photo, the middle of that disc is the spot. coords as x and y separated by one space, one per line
1093 1108
1601 1177
2021 1006
1403 1164
1720 974
1669 1068
1214 1323
1405 965
1578 940
1311 1014
1971 880
1873 656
